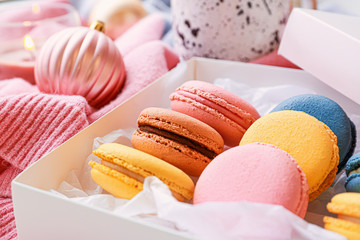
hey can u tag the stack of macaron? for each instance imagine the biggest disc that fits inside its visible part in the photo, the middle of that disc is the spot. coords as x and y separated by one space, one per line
203 117
287 157
330 113
238 173
187 141
312 128
347 207
178 139
308 140
352 169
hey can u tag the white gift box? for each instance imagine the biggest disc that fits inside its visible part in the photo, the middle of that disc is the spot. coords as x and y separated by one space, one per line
326 45
41 214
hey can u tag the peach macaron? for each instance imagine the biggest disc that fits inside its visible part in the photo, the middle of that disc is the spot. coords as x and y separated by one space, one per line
178 139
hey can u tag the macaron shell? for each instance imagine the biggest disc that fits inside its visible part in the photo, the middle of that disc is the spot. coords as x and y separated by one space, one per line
230 132
353 163
183 125
352 183
223 97
179 155
177 138
114 182
309 141
147 165
226 112
328 112
238 175
352 147
242 118
345 203
346 228
352 169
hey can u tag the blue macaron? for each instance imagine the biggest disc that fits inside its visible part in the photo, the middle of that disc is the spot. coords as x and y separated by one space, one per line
352 169
330 113
352 183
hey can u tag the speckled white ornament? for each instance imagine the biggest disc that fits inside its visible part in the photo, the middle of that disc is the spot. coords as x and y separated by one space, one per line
239 30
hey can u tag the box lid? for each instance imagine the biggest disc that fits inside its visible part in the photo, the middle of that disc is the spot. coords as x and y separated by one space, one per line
326 45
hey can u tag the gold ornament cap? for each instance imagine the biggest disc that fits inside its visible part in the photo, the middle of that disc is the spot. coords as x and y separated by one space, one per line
98 25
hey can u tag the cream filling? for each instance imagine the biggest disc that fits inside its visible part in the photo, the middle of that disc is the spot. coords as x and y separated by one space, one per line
354 171
124 171
349 218
136 176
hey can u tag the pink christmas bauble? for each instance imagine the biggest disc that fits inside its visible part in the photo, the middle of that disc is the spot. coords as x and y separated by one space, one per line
80 61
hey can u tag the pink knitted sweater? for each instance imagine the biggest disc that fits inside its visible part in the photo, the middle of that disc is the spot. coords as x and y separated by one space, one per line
33 124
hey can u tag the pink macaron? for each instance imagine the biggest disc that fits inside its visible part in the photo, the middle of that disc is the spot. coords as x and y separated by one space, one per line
226 112
256 172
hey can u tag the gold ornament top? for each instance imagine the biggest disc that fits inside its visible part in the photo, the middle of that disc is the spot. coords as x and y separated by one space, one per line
98 25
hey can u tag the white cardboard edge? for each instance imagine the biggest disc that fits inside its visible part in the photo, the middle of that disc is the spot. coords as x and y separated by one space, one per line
322 50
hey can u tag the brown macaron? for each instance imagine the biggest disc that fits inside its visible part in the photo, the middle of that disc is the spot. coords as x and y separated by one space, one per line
178 139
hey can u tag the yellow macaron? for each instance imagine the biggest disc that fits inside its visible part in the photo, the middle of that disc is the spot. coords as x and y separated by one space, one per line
347 207
309 141
123 169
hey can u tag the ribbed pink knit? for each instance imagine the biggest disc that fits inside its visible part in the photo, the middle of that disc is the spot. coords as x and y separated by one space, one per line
7 220
32 125
5 180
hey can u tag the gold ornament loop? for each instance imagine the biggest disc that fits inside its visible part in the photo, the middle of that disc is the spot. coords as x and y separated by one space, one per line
98 25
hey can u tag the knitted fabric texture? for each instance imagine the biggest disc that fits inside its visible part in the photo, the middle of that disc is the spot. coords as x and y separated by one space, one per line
7 220
32 125
6 177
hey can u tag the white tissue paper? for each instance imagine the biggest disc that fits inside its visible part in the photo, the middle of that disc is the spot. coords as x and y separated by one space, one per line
221 220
